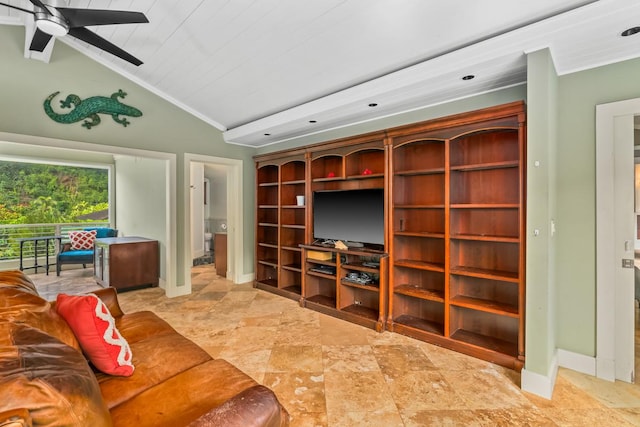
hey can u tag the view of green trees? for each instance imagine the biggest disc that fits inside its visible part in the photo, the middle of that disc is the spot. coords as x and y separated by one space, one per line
37 193
46 194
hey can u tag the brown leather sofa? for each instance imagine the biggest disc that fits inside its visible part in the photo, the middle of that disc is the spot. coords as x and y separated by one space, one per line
46 381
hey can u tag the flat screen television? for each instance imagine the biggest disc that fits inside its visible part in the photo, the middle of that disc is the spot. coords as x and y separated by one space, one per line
353 216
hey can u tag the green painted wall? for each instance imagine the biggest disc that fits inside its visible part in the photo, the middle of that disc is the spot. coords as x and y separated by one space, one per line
578 94
25 83
541 139
140 201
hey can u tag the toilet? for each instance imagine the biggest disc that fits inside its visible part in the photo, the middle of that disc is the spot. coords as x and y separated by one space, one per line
207 242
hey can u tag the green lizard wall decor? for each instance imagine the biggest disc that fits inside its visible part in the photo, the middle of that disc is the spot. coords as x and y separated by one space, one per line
89 109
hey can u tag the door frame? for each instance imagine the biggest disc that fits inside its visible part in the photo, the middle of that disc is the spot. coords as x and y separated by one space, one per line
235 225
614 307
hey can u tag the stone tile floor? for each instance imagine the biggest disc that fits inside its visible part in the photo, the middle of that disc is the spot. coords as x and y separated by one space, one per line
328 372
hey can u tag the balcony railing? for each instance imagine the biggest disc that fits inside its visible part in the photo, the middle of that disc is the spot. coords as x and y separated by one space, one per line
11 233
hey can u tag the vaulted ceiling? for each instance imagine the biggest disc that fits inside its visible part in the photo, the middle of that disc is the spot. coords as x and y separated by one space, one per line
264 71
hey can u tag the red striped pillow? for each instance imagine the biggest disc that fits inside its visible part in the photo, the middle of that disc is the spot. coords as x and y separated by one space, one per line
95 329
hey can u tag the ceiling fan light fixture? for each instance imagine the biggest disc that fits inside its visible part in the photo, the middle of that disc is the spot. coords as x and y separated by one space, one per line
51 24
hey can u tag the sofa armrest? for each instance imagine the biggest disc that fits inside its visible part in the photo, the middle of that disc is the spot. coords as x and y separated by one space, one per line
109 297
15 418
255 406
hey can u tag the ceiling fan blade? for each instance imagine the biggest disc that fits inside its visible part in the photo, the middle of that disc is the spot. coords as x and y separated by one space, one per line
41 5
88 17
97 41
18 8
40 40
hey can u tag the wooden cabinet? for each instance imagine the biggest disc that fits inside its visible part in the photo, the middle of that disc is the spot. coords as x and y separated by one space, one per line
126 262
220 253
349 284
454 226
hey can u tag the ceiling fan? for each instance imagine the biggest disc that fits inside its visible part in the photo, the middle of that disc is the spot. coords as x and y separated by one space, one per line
59 21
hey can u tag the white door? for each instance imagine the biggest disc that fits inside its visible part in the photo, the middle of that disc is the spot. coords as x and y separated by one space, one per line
625 242
615 240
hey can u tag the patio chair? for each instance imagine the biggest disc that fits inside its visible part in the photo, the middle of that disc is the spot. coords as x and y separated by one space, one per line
79 250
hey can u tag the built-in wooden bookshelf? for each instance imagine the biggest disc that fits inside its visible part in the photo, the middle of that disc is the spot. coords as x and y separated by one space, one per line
267 225
452 269
457 237
280 224
418 234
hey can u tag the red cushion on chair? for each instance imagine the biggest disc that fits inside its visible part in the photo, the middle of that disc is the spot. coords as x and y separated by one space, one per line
95 329
82 240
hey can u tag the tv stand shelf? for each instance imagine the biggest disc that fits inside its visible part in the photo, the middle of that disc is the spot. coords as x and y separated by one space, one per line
321 274
338 295
451 270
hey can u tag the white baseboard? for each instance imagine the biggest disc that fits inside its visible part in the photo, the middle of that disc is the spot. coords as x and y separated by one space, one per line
605 369
542 385
577 362
197 253
539 384
245 278
178 291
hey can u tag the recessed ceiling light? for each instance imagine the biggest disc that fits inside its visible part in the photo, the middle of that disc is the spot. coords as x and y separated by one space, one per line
630 31
267 134
313 121
468 77
373 104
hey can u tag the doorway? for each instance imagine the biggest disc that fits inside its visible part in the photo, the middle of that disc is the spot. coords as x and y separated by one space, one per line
209 215
232 223
615 252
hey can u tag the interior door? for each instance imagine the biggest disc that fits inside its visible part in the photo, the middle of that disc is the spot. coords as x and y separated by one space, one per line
614 239
624 248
